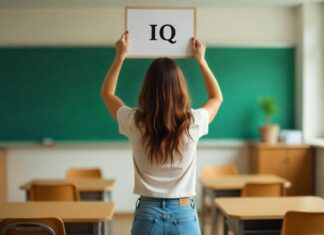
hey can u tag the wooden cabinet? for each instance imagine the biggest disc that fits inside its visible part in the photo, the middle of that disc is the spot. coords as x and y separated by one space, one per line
3 177
292 162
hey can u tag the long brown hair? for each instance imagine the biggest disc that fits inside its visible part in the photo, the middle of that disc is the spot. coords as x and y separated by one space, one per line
164 114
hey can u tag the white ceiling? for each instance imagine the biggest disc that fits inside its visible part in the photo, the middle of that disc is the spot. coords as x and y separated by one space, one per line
118 3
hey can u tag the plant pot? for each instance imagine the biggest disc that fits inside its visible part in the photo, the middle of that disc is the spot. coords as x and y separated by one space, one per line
269 133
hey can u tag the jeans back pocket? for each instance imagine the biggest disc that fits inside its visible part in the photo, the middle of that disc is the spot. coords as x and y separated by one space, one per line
187 223
143 223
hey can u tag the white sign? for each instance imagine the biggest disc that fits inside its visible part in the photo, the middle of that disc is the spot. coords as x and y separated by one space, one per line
157 32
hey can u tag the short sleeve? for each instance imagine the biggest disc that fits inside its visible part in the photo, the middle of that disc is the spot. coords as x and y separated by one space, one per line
201 117
123 116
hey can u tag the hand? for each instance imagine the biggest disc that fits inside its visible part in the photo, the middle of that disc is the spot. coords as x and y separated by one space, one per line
122 46
198 50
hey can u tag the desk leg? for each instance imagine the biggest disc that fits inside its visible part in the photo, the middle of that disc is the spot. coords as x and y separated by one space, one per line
225 226
111 227
97 228
235 224
106 196
240 228
214 214
212 194
27 195
108 227
203 210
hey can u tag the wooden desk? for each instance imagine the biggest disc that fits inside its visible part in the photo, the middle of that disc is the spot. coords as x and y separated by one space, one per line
90 189
224 186
263 214
72 213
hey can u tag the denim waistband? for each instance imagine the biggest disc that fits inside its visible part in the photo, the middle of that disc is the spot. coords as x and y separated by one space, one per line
160 202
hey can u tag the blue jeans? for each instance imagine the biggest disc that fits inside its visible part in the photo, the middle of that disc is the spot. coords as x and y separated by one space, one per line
157 216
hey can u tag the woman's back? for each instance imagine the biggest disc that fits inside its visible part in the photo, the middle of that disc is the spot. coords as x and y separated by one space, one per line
168 180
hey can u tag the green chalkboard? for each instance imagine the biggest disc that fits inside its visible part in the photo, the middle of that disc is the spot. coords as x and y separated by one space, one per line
54 92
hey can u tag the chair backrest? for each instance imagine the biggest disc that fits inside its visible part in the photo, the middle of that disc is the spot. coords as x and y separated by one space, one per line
263 190
218 170
32 226
303 223
57 192
77 173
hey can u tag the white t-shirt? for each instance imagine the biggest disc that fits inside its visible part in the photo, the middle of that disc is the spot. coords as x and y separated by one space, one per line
166 181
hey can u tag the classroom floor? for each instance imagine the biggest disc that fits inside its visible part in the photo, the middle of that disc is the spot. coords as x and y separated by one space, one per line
123 224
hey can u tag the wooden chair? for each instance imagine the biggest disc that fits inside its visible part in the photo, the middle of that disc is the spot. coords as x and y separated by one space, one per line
32 226
303 223
218 170
263 190
58 192
77 173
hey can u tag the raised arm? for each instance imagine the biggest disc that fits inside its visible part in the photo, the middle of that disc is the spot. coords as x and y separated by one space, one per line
113 103
215 97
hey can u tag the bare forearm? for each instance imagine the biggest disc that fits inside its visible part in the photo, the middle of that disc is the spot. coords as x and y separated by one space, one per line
112 102
215 97
211 84
110 83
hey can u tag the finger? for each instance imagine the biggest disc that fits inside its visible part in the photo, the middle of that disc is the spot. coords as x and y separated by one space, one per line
198 43
126 36
122 37
193 42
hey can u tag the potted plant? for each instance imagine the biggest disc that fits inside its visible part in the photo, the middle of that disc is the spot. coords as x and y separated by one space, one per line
269 132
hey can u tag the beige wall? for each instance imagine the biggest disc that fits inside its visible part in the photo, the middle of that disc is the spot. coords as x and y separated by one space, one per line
273 26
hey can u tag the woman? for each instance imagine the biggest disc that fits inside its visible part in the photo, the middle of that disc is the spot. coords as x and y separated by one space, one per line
163 132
